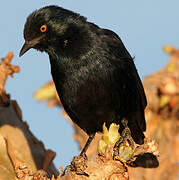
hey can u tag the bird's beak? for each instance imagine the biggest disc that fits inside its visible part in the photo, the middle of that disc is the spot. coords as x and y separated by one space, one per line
24 49
29 44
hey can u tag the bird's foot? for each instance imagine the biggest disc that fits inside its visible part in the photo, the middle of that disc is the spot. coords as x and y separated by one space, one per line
125 137
78 164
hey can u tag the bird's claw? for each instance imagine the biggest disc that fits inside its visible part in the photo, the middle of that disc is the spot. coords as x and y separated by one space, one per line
78 164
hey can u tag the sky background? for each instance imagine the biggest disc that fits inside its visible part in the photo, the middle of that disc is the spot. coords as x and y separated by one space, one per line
144 26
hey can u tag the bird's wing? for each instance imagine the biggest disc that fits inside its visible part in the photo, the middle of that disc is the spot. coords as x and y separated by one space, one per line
130 85
116 43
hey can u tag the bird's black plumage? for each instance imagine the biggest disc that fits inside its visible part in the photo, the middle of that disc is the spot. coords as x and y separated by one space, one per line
94 74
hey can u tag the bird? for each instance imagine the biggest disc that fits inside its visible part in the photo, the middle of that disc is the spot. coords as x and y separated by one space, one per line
94 74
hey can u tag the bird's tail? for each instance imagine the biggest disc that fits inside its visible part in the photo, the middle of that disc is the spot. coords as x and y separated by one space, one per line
137 126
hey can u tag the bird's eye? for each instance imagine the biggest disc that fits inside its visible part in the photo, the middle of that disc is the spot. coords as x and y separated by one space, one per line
43 28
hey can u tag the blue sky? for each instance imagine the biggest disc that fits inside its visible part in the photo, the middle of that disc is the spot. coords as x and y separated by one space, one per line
144 26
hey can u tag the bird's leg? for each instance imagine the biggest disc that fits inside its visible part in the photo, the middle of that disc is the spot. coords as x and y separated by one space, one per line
88 142
78 163
125 136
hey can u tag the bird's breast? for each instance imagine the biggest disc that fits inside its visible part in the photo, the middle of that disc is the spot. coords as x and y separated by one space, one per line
79 82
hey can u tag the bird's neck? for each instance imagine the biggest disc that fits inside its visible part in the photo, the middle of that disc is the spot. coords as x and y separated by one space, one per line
70 54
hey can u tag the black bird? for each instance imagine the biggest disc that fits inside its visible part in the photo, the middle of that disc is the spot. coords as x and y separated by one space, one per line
94 74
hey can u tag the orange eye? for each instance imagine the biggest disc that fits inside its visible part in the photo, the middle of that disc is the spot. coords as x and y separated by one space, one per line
43 28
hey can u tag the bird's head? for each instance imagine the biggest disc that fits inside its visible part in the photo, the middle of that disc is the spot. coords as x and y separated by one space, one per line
49 27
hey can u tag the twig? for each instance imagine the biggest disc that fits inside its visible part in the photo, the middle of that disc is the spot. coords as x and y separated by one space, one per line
49 156
6 69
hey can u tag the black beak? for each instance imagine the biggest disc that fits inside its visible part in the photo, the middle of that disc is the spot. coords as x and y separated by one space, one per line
30 44
24 49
